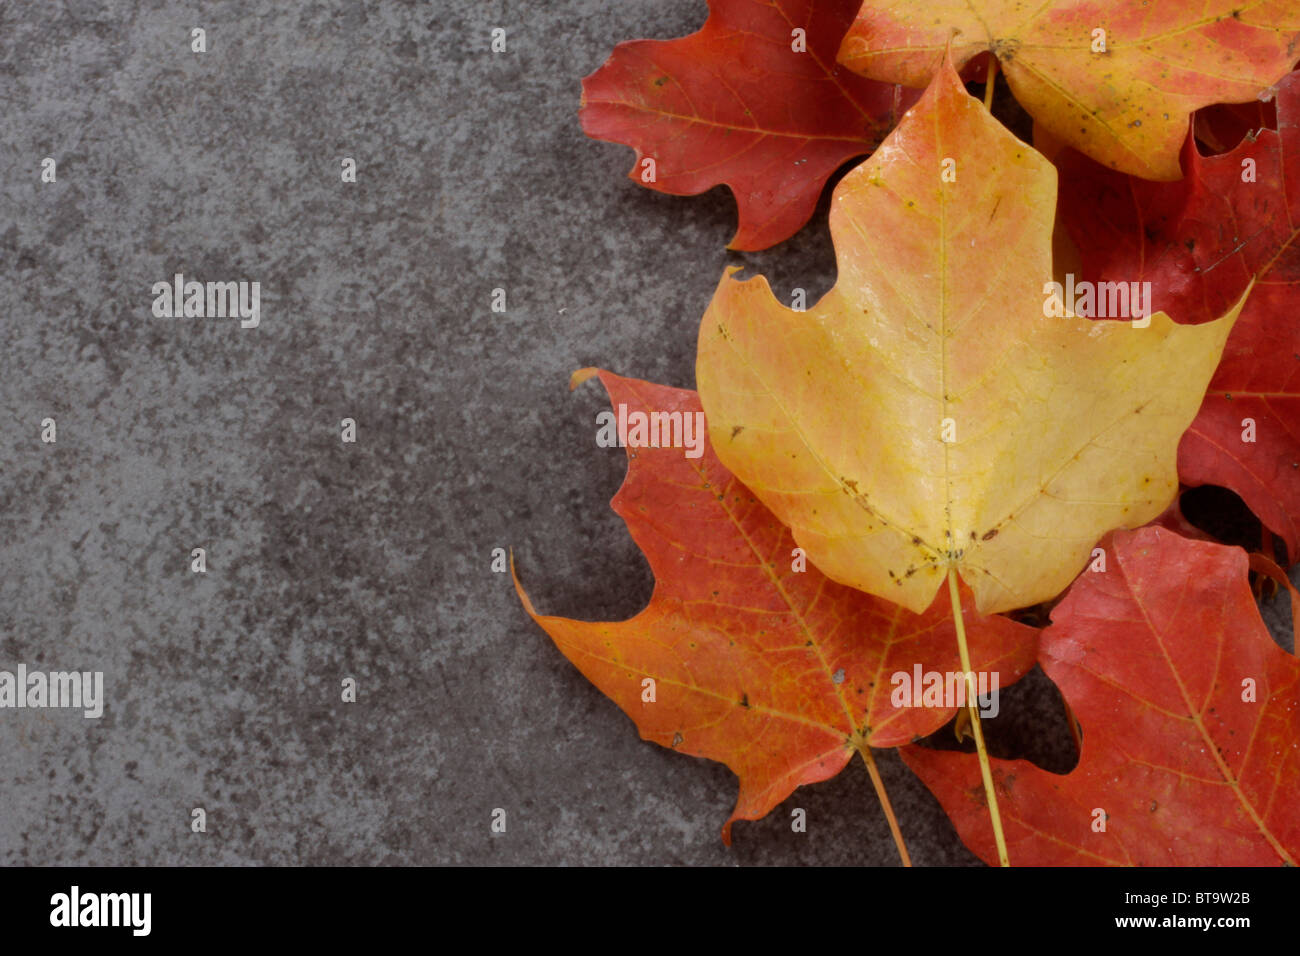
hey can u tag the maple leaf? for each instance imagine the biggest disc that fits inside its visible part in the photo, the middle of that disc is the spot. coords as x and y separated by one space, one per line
1185 762
737 103
779 673
1199 242
1123 96
1058 429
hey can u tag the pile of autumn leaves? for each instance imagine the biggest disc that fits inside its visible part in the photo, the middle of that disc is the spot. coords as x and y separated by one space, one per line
927 415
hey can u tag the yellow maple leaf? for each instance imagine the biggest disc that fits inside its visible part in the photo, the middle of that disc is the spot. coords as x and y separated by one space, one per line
928 412
1116 79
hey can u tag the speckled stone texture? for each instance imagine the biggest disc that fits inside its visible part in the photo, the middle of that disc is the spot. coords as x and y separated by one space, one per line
370 560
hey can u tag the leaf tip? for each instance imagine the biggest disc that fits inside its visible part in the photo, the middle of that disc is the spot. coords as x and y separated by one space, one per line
582 375
519 588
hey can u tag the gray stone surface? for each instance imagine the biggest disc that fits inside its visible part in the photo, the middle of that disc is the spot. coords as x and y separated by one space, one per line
369 560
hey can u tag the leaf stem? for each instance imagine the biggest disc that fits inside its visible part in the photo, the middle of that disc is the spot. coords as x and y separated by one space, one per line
883 796
971 699
990 78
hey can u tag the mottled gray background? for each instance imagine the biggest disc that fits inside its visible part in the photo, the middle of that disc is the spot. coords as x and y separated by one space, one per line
370 560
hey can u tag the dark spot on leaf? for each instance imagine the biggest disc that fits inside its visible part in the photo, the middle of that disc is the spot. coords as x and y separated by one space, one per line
736 430
1005 49
990 534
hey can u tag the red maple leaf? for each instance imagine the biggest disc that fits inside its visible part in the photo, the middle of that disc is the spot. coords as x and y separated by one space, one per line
754 100
778 672
1190 715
